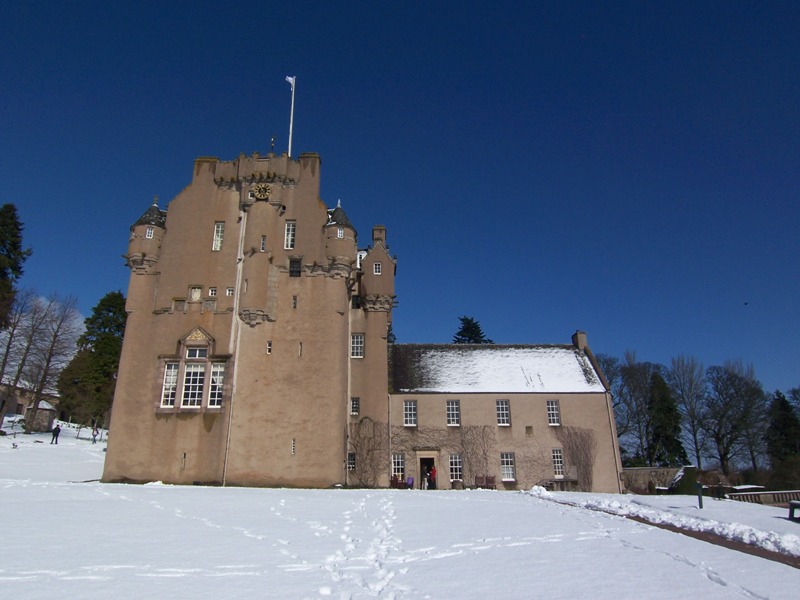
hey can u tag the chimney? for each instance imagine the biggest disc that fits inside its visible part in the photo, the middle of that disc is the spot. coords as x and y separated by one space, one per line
579 340
379 235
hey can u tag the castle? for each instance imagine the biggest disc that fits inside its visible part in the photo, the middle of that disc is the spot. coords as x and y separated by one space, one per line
257 352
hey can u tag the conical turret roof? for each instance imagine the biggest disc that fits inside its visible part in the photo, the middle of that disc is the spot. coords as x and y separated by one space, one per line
337 216
152 216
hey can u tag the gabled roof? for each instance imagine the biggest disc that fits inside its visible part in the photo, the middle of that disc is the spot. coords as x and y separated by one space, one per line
490 368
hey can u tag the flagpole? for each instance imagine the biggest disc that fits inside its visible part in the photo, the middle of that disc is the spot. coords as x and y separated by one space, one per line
291 81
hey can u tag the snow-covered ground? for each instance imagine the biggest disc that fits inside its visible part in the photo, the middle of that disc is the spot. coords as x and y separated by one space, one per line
64 534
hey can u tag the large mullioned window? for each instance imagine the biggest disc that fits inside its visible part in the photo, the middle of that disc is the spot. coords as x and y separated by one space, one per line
219 234
195 378
290 233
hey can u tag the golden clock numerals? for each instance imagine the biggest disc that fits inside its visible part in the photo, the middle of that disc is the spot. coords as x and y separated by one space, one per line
262 191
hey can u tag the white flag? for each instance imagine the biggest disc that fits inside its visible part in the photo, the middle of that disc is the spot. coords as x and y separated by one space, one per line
291 80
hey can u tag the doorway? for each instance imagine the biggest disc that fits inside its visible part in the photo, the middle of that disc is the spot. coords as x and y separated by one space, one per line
427 466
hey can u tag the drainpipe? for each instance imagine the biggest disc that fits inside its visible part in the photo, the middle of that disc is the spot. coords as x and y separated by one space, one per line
235 338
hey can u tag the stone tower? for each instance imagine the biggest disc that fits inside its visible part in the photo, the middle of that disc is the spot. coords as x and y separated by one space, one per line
254 322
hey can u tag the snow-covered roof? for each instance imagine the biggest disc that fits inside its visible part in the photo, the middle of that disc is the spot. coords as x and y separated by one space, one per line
489 368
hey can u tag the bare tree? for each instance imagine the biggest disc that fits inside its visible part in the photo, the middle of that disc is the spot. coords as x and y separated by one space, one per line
611 369
634 401
580 451
11 344
734 401
687 381
51 350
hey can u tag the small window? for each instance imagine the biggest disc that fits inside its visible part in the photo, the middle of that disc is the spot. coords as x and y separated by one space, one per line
149 233
529 430
357 345
453 413
263 243
507 470
219 234
351 461
295 267
196 353
456 467
209 305
269 347
553 413
355 302
179 305
399 466
229 291
355 405
503 413
410 413
294 301
376 268
212 292
289 235
558 462
340 233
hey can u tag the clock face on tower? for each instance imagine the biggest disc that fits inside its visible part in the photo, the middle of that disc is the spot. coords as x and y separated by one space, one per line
262 191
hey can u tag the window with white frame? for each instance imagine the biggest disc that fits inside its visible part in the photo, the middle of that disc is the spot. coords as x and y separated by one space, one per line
289 235
399 466
453 413
149 233
212 292
357 345
340 233
507 469
229 291
553 413
558 462
170 387
456 467
503 413
376 268
355 405
217 381
219 233
351 461
194 378
410 413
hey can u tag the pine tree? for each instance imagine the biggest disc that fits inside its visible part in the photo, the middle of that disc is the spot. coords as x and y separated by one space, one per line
87 384
664 447
783 432
12 257
470 333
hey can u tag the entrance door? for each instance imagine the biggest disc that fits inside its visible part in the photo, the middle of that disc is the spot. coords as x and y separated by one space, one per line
426 467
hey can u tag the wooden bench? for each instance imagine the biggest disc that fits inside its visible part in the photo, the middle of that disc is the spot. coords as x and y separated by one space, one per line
793 506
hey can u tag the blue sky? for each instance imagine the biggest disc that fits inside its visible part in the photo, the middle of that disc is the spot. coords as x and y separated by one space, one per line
625 168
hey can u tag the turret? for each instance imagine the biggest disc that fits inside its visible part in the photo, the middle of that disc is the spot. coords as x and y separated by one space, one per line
144 246
340 239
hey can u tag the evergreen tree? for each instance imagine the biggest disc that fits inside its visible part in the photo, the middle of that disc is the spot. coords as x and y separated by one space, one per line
783 432
664 447
12 256
470 333
87 384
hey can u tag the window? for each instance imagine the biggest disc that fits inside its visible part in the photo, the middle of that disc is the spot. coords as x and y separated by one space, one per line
209 304
558 462
295 267
149 233
456 467
507 471
219 233
179 305
357 345
194 377
553 413
294 301
355 405
212 292
269 347
263 243
229 291
410 413
376 268
503 413
355 302
453 413
399 466
340 233
289 235
170 387
217 381
351 461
